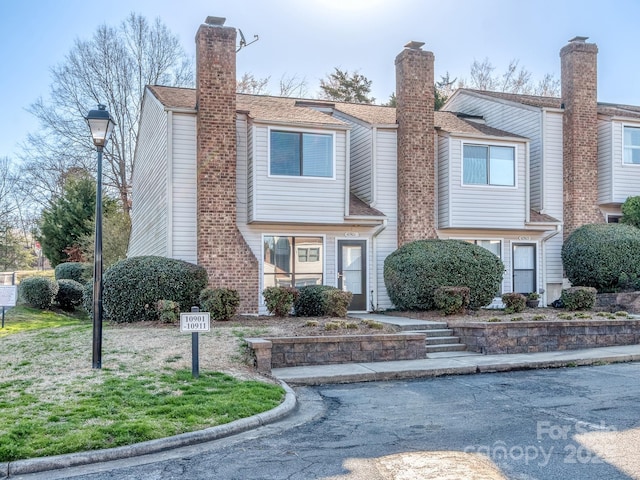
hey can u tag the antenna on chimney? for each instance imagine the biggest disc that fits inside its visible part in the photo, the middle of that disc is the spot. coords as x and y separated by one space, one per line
243 42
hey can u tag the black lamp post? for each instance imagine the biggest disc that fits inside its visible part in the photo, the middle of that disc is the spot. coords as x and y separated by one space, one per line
101 124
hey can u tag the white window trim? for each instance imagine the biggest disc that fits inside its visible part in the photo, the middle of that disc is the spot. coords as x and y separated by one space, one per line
494 144
297 235
301 130
625 164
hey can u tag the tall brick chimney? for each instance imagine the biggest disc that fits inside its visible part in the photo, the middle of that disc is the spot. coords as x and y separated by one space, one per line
580 133
222 249
416 155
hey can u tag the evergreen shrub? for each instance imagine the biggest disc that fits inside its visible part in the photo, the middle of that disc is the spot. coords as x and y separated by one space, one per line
603 256
578 298
221 303
70 294
132 287
414 271
38 292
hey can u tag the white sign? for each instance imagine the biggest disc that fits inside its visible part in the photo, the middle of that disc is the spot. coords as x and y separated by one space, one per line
195 322
8 295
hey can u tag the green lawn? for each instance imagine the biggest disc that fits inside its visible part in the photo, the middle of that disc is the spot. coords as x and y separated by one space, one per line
47 410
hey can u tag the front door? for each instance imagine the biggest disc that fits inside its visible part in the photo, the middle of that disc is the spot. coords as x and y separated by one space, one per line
352 271
524 268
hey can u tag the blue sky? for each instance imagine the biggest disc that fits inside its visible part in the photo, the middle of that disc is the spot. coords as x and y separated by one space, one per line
308 38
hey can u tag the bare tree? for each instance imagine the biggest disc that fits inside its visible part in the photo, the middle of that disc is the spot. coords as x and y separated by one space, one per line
293 86
515 79
111 68
248 83
289 86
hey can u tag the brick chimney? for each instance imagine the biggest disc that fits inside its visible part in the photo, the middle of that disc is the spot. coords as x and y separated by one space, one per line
222 249
416 155
580 133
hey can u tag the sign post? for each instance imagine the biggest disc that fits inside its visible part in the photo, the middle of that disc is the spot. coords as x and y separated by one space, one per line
8 297
195 322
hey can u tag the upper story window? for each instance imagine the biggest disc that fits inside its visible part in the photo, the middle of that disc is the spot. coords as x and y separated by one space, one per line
632 145
489 165
301 154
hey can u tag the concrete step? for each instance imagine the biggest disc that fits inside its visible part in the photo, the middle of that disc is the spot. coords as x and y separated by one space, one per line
436 332
447 347
442 340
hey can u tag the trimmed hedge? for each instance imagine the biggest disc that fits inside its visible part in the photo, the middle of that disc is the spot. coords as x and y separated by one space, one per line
132 287
603 256
70 294
39 292
280 300
80 272
221 303
322 301
414 272
451 300
168 311
578 298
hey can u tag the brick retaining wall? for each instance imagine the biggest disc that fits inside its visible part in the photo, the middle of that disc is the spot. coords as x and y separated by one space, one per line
527 337
302 351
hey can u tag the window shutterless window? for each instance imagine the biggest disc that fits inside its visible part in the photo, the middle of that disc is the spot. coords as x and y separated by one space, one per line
489 165
632 145
292 261
301 154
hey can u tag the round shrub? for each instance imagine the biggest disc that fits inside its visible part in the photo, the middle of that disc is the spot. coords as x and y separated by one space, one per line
514 302
168 311
279 300
337 302
80 272
70 294
414 272
132 287
39 292
312 301
87 297
578 298
221 303
604 256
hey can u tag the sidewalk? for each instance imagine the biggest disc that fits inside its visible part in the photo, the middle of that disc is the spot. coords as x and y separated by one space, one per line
449 363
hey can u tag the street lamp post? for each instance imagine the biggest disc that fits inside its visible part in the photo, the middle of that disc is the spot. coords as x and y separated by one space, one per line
101 124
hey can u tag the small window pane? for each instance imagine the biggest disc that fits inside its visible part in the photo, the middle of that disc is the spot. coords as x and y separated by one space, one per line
494 246
317 154
632 145
285 153
475 165
502 166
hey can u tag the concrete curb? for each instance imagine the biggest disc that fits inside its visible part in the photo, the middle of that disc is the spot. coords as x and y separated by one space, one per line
35 465
421 372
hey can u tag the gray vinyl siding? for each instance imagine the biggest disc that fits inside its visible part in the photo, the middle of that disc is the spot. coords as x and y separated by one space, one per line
385 201
486 206
444 189
605 161
149 235
626 178
297 199
361 169
521 120
553 170
184 188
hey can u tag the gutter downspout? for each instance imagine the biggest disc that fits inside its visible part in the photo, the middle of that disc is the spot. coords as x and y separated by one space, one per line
374 248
